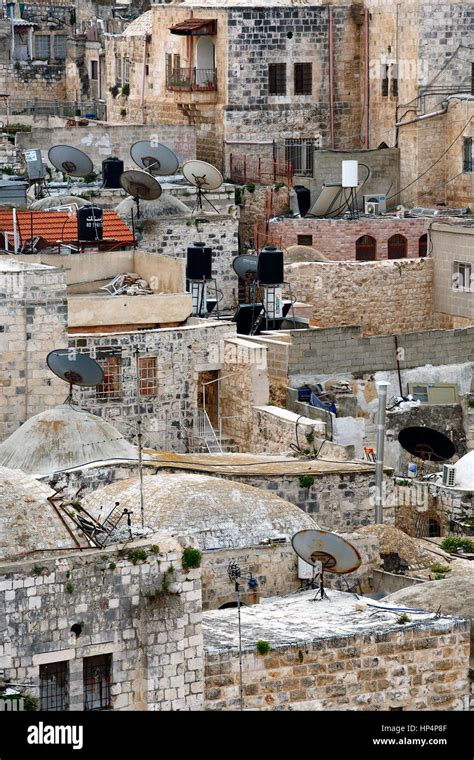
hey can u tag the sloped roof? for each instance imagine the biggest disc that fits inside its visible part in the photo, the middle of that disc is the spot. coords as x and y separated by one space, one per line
60 226
194 25
141 26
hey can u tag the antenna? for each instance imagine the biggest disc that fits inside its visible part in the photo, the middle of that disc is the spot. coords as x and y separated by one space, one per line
141 186
234 572
75 369
205 177
140 438
333 552
154 158
70 161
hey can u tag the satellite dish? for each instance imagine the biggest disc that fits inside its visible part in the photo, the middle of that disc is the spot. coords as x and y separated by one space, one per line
202 175
426 444
141 186
71 161
74 368
245 266
333 552
154 158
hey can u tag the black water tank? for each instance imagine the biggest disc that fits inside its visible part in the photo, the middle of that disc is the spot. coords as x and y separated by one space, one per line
90 223
112 169
270 266
303 195
199 262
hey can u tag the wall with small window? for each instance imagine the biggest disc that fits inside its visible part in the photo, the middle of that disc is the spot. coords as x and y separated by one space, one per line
453 259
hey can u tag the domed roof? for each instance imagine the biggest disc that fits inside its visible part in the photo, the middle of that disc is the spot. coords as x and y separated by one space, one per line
52 202
464 472
61 438
28 522
219 513
166 205
295 254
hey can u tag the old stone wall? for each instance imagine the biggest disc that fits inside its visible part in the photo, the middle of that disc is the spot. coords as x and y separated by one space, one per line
33 321
257 206
181 354
383 297
336 238
36 79
412 668
451 245
153 636
277 430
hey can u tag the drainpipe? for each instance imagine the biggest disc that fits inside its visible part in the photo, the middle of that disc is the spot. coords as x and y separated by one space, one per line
145 52
15 232
331 77
382 386
367 80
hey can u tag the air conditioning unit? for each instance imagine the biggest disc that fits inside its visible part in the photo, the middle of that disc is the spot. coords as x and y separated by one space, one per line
375 204
449 472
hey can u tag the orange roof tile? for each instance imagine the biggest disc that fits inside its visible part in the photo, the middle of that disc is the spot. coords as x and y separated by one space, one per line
60 226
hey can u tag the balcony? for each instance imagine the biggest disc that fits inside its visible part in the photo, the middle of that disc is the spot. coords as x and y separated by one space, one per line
191 80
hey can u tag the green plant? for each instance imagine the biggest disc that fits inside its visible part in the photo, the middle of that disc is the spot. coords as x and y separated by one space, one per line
439 577
76 503
69 588
471 403
441 569
250 186
68 573
155 549
89 178
470 674
403 618
112 566
278 186
238 196
453 543
191 558
306 481
123 112
166 583
171 570
137 555
310 437
17 66
126 90
9 170
37 570
30 703
263 647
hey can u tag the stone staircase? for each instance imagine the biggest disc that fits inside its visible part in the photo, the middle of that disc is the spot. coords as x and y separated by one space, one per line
228 445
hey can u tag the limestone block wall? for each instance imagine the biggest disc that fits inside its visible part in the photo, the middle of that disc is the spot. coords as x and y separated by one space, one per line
383 297
413 668
181 354
36 79
153 637
336 238
452 245
277 430
33 321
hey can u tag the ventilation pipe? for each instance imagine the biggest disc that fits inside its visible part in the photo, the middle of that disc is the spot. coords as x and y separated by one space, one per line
382 386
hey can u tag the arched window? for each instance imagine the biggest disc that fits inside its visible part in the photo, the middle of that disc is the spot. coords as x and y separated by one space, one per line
366 248
423 246
397 247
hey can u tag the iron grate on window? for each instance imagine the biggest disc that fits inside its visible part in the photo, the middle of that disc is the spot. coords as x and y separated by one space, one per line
147 375
54 686
303 78
97 673
277 78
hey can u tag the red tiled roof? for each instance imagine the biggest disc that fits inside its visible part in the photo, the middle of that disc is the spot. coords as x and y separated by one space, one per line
61 226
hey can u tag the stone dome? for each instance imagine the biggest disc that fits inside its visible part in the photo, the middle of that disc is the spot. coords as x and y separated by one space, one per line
464 472
51 202
166 205
219 513
296 254
28 522
61 438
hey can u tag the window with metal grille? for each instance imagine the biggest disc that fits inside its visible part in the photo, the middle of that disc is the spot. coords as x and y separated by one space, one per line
147 375
126 71
118 70
111 388
94 70
303 78
462 274
60 43
277 78
53 686
423 246
467 154
97 678
384 72
397 247
304 239
366 248
472 78
300 154
43 46
394 80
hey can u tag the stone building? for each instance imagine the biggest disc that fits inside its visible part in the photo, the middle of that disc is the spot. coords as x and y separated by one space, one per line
453 262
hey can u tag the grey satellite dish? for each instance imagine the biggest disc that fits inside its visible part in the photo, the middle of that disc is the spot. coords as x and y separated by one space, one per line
70 161
74 368
333 552
141 186
154 158
205 178
245 266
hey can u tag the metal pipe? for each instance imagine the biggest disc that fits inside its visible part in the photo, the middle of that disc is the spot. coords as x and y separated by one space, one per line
421 118
367 80
382 386
331 77
145 52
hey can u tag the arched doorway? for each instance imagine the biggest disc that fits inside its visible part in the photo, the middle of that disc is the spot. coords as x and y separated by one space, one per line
205 63
397 247
423 246
366 248
227 605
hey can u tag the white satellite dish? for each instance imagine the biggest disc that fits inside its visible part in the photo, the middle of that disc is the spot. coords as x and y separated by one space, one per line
154 158
70 161
205 177
333 552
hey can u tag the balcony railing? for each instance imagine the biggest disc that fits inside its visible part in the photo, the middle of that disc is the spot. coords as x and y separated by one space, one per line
191 80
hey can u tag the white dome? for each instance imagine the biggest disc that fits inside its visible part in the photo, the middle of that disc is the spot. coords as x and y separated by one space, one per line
219 513
464 472
61 438
166 205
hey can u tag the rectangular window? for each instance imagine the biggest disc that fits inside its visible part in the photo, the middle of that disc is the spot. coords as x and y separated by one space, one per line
60 43
43 47
432 393
303 78
111 388
277 79
462 274
147 375
97 678
53 686
300 153
384 73
126 71
394 80
95 70
467 154
118 71
304 239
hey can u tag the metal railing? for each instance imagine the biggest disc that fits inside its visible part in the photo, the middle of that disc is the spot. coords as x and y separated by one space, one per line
191 80
204 431
265 171
64 108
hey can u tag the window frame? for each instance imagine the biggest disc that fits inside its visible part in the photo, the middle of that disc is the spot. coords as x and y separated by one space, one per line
462 268
302 80
111 389
277 79
60 699
365 246
148 381
42 36
403 241
104 661
467 155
